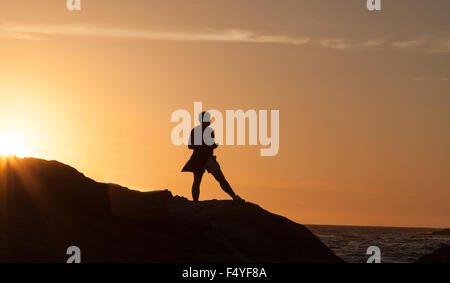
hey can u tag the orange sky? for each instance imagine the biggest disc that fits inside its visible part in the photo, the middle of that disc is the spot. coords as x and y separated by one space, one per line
363 98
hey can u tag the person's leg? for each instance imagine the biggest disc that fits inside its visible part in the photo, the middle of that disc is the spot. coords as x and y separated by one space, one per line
223 183
196 185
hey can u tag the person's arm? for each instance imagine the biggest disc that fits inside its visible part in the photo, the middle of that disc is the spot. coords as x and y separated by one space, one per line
214 145
191 141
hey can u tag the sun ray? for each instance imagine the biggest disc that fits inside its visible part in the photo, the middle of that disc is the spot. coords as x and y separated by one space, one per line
12 144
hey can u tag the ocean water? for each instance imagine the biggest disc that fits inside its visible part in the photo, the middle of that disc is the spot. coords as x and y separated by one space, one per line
397 245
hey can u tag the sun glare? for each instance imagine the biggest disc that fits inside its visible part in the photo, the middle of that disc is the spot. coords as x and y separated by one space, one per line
12 144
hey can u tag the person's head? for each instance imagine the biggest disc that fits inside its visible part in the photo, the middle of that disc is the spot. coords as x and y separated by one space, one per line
205 118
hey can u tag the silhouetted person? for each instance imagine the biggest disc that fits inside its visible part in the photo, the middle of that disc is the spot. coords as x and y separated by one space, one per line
202 142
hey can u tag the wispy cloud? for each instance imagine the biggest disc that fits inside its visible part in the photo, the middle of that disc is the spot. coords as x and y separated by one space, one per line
431 44
5 35
232 35
445 79
439 43
342 43
412 43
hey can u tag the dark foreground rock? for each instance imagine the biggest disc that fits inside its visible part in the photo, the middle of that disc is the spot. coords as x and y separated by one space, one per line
46 206
441 255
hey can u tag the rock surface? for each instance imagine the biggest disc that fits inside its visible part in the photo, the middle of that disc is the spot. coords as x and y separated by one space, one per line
46 206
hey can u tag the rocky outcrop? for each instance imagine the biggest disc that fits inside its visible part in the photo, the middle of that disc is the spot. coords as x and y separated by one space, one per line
46 206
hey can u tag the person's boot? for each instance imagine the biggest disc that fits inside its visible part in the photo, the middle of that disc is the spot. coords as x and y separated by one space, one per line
238 200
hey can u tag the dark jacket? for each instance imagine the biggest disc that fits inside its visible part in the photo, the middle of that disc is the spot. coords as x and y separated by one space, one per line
201 152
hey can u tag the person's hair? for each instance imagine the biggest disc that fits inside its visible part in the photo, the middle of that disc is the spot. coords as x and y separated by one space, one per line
204 117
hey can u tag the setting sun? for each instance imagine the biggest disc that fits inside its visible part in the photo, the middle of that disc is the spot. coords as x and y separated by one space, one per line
12 144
